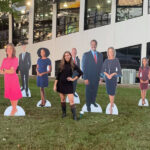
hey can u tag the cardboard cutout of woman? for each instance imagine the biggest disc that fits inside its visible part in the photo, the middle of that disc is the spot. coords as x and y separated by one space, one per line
64 82
11 80
144 74
111 70
42 72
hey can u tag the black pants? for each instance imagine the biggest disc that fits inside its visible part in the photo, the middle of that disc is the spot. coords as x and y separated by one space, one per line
24 80
91 93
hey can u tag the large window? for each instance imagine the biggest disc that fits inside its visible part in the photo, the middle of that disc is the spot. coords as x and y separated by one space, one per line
4 25
149 6
148 52
68 17
97 13
127 9
129 57
43 12
21 24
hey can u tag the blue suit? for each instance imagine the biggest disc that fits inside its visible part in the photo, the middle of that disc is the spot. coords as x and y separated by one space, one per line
91 72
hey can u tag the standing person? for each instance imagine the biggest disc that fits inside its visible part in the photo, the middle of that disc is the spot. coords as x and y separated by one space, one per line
11 81
42 73
24 67
64 82
144 72
76 61
111 70
92 63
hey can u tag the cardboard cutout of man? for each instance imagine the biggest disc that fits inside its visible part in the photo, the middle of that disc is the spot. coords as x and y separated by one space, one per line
24 67
76 60
92 63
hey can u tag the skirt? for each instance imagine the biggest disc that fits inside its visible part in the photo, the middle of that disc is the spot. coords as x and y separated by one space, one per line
143 86
65 88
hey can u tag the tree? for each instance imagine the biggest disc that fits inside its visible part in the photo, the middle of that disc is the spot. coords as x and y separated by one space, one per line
8 6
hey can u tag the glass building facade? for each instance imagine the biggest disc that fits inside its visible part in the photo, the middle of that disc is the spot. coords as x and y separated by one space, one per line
68 17
21 24
149 6
4 26
97 13
43 14
128 9
129 57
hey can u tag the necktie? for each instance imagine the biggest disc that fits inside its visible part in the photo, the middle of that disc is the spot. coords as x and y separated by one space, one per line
95 58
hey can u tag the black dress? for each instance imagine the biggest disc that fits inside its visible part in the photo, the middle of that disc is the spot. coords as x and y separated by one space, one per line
63 85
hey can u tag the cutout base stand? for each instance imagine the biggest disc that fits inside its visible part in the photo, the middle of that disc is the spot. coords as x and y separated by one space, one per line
20 111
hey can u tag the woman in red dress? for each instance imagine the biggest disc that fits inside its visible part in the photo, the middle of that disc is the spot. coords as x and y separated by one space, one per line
11 80
144 74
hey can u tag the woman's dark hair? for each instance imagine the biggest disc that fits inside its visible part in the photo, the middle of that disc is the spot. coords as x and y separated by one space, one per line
62 63
13 47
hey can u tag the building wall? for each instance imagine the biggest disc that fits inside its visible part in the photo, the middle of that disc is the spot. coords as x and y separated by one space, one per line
122 34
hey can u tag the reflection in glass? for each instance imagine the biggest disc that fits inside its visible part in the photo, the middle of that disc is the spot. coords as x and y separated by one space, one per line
43 13
97 13
148 52
128 11
21 24
67 17
4 26
129 57
149 6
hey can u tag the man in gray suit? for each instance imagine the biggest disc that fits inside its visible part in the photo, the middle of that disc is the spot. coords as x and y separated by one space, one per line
24 67
76 60
92 62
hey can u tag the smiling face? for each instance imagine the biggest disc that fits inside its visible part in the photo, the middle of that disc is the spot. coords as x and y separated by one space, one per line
43 53
67 57
74 52
93 45
144 62
9 51
110 53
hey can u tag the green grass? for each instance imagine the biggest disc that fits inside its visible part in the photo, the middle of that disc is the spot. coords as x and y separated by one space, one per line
44 129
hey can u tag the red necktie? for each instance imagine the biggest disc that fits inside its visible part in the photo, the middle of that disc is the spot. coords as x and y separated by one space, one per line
95 58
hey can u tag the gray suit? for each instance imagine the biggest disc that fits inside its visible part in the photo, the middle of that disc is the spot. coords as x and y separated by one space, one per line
91 72
24 67
75 74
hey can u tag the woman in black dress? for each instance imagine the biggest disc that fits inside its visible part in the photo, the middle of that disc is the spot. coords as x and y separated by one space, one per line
64 82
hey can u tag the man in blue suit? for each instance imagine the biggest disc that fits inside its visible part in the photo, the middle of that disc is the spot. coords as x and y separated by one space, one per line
92 63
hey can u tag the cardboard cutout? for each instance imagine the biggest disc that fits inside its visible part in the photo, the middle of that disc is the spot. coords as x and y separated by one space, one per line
146 103
20 111
24 67
114 109
47 104
76 99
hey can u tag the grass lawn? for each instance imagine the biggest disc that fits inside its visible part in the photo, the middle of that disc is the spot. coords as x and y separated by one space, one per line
44 129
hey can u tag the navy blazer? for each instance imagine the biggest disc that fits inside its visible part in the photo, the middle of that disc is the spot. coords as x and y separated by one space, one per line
92 70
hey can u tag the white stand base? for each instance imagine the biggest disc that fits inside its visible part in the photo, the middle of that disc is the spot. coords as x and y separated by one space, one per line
114 109
93 108
76 99
20 111
146 103
48 104
24 93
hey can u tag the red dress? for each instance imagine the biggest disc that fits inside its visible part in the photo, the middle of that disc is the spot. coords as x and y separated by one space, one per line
12 86
143 75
